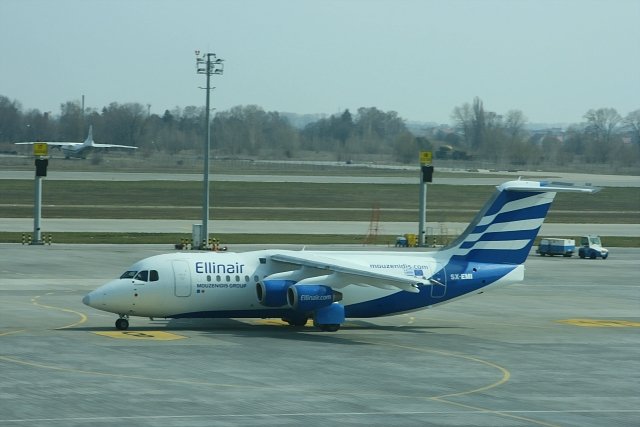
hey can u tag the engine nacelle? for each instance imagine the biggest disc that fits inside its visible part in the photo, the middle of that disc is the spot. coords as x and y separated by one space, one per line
311 297
273 293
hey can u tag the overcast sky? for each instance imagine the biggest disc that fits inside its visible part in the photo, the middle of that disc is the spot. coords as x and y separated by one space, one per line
552 59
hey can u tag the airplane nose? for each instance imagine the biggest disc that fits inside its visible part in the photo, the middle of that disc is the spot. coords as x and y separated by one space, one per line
86 300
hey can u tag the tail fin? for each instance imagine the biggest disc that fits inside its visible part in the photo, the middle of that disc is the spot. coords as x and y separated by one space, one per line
89 140
506 227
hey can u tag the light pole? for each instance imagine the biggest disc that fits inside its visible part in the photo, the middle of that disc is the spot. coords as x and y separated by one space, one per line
208 64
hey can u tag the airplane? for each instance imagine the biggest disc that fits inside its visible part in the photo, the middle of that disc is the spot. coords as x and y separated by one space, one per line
330 286
79 149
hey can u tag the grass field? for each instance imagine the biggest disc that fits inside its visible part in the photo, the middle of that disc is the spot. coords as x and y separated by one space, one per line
273 201
295 202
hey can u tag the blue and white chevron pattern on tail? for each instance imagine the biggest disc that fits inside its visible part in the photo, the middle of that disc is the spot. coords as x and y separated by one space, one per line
505 229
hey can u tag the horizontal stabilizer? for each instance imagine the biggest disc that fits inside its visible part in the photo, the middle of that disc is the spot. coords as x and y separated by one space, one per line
546 186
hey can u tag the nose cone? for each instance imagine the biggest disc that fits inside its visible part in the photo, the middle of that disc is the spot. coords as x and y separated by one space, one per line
94 298
114 297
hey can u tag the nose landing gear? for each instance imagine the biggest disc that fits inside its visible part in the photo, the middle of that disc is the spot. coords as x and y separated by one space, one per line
122 323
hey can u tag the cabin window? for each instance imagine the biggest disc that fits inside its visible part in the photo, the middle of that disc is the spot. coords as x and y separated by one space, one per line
228 278
256 278
218 278
237 278
128 274
246 279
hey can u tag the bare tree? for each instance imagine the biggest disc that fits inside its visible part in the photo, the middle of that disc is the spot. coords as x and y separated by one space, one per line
463 119
514 123
71 125
478 123
472 122
10 119
602 123
632 124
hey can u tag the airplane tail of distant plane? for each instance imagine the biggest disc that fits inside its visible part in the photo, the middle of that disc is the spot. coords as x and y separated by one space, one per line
89 141
506 227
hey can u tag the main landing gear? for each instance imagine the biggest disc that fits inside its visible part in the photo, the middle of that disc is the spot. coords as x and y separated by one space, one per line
302 321
122 323
296 321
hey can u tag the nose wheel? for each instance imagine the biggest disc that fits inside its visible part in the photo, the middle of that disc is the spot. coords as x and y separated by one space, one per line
122 324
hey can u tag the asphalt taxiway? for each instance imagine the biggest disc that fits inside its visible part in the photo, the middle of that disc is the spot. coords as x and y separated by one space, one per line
560 349
471 178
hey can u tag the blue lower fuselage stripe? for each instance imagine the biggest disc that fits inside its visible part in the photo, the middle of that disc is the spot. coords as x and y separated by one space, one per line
407 301
240 314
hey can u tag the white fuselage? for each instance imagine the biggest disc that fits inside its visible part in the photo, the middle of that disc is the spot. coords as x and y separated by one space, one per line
331 286
208 284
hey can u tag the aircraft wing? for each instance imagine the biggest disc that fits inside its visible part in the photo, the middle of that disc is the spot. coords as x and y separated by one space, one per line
95 145
55 144
341 273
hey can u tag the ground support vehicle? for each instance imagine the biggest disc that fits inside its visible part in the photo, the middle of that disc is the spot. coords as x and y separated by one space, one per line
555 246
591 247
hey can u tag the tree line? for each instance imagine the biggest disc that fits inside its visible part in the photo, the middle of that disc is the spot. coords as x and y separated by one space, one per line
605 136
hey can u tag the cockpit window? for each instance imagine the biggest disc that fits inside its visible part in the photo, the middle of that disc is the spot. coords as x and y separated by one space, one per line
128 274
143 276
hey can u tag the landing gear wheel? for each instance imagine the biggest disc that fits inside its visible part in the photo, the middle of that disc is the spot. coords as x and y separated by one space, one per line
297 321
329 328
122 324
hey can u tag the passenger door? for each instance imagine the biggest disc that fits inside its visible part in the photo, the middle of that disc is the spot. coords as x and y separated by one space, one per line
182 278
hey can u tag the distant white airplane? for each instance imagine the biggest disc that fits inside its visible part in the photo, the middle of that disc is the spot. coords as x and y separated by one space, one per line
330 286
79 149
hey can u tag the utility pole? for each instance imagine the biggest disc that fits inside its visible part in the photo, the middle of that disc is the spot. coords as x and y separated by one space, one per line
40 152
207 64
426 175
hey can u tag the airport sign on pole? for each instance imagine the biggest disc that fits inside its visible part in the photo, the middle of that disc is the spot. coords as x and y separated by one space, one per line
426 157
40 149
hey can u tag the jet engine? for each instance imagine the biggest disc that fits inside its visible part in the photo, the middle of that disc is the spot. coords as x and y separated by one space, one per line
273 293
307 298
